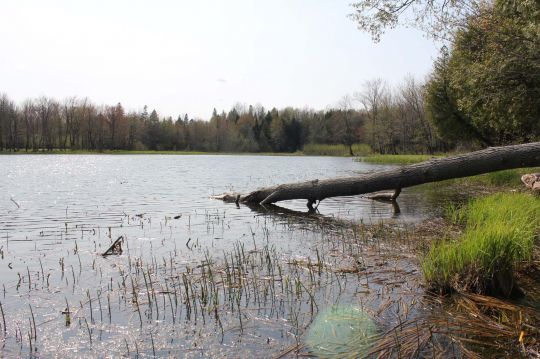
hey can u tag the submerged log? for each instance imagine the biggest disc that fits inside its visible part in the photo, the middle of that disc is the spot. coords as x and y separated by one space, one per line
469 164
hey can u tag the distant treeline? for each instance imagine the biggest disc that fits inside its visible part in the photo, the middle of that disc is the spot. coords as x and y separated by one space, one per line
390 121
484 90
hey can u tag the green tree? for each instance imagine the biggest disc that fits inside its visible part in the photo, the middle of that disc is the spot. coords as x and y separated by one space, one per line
451 123
488 87
152 135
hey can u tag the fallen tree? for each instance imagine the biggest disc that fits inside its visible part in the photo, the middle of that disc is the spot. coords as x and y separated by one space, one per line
469 164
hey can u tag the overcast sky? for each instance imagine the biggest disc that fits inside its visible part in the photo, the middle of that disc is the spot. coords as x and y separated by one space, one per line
192 56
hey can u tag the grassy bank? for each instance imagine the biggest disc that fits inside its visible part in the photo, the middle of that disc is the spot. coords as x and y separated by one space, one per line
499 233
398 159
503 178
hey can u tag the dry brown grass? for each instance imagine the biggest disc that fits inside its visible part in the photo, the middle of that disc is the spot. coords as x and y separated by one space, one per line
469 326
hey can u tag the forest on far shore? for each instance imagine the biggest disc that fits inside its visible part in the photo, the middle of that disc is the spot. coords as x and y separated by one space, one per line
484 90
390 121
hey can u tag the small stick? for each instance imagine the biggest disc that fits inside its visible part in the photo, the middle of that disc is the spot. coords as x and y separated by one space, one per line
12 200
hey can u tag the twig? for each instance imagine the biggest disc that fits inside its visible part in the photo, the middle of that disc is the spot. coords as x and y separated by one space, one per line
12 200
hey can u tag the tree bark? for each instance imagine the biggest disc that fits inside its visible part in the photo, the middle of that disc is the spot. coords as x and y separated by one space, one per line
469 164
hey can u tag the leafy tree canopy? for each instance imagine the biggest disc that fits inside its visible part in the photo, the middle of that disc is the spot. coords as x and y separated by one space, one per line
488 87
437 18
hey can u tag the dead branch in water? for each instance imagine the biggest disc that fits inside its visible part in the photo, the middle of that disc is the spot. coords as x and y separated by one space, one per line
115 248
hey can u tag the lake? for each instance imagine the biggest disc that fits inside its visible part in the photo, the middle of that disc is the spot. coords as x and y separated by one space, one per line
197 277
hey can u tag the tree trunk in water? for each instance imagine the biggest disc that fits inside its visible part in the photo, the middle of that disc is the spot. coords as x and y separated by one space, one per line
470 164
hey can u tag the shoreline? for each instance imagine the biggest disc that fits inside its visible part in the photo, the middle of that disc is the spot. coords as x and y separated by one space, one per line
148 152
384 159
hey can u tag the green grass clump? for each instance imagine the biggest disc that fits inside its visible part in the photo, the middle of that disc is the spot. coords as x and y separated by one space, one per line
398 159
318 149
506 177
500 232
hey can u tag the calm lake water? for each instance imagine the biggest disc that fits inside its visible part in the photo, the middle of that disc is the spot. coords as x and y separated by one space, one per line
58 213
99 190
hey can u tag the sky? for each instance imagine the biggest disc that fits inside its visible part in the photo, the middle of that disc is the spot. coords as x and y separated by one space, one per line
192 56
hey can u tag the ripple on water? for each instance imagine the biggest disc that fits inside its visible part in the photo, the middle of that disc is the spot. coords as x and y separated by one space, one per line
73 207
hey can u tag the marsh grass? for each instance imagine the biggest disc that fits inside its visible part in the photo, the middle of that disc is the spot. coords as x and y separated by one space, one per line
499 235
318 149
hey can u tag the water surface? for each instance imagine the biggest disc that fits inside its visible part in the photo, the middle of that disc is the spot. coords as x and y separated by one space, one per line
58 213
